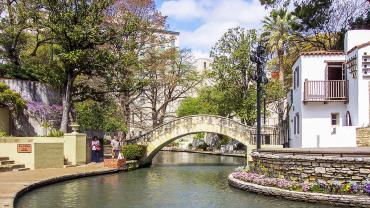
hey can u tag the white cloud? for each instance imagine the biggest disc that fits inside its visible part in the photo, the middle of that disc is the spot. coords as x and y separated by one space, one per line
182 9
215 16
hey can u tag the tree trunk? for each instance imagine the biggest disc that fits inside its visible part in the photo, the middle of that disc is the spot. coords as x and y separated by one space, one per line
280 55
281 106
125 105
67 101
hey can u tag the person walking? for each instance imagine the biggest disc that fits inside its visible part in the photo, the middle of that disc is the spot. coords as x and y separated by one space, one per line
95 149
116 147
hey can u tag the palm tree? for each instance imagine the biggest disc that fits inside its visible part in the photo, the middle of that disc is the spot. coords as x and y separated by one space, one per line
278 33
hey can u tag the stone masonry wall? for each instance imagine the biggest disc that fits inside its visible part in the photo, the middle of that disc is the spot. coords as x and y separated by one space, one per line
311 168
363 137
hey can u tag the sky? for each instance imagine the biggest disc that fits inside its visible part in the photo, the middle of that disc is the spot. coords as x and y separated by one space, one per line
202 22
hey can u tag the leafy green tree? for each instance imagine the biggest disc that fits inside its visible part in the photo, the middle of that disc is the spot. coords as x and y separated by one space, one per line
278 30
92 115
233 71
77 27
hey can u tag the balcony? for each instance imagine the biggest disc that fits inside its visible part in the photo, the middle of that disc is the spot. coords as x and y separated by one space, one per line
326 91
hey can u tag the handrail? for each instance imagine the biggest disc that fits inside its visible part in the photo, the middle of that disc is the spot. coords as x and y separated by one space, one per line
329 90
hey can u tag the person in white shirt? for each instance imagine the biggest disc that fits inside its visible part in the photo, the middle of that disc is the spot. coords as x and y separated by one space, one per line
116 147
95 149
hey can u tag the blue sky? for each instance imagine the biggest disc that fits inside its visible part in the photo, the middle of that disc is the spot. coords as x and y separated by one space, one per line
202 22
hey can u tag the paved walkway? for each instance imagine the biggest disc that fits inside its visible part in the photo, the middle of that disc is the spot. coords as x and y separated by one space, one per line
12 183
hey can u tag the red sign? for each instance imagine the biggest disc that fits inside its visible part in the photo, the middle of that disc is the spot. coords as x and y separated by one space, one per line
24 148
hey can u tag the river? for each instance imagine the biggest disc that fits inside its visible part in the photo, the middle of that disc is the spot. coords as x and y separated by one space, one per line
176 179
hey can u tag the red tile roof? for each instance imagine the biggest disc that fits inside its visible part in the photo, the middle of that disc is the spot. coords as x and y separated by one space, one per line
358 47
312 53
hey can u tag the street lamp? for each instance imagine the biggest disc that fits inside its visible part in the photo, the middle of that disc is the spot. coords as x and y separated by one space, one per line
259 57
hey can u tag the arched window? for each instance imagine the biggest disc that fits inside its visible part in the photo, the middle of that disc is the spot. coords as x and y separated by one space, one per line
348 119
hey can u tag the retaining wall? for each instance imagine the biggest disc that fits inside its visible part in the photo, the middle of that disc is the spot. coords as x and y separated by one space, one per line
338 200
309 168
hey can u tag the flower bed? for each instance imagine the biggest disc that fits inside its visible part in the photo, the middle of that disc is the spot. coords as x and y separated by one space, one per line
319 186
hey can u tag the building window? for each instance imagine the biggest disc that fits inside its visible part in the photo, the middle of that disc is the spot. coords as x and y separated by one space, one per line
296 78
334 119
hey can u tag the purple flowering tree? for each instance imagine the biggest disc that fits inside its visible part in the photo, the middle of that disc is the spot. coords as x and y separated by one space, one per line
46 115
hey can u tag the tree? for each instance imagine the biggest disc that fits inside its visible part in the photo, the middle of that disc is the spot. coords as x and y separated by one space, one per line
209 101
136 23
171 77
279 33
11 99
323 23
77 27
92 115
14 22
233 70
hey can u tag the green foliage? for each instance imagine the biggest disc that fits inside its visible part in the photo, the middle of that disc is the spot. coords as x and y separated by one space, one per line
99 116
233 72
199 136
11 99
3 134
56 133
223 141
203 146
133 151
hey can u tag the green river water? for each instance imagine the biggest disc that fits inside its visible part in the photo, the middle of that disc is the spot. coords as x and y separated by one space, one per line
174 180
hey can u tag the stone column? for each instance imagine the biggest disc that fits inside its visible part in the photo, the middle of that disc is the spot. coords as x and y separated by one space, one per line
75 148
362 137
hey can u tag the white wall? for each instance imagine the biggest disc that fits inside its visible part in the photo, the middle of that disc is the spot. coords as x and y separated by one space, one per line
316 122
355 37
363 90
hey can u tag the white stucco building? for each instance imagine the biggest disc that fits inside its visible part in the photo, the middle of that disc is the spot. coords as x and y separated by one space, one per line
329 98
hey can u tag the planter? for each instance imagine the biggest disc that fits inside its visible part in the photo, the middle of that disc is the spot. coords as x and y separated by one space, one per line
114 163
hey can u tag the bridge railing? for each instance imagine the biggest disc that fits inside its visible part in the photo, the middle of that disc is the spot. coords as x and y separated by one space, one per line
270 134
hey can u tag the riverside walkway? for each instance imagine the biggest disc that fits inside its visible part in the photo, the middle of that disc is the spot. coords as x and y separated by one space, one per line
13 184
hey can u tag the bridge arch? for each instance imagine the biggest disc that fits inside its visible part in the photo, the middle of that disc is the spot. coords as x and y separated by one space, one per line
161 136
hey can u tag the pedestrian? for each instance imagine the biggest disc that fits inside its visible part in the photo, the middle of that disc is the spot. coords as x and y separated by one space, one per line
95 148
115 147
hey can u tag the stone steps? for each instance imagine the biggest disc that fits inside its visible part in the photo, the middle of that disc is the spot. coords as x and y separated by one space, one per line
6 162
9 165
4 158
20 169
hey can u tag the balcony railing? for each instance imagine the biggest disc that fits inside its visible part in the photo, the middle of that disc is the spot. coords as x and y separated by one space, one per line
326 91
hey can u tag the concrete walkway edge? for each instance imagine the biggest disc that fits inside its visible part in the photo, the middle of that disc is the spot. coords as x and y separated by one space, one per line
11 201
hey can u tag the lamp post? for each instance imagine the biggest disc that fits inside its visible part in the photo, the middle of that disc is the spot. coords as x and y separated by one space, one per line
259 57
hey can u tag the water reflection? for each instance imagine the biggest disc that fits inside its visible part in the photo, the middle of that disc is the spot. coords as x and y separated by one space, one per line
166 158
169 183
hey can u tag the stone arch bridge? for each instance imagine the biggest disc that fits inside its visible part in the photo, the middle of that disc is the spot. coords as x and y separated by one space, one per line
161 136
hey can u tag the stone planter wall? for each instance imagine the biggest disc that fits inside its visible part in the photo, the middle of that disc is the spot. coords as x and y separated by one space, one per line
114 163
337 200
309 168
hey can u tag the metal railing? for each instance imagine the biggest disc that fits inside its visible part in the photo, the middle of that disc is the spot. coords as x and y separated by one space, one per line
326 91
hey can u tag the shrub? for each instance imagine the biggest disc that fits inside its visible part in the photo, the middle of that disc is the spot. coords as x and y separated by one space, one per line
3 134
133 151
55 133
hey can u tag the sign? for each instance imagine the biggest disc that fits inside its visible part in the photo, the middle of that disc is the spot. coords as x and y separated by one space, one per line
24 148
